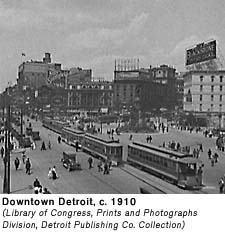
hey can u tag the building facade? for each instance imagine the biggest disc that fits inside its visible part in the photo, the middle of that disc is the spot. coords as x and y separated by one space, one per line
166 75
146 90
34 74
204 94
92 97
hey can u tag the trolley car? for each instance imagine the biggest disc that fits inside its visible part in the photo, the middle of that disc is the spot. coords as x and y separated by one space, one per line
104 148
71 136
180 169
54 125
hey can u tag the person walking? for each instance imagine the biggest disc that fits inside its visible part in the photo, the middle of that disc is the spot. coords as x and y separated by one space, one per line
77 146
212 161
130 137
49 145
54 173
43 147
17 163
150 138
216 156
24 157
106 168
59 139
90 162
209 153
28 166
100 169
36 183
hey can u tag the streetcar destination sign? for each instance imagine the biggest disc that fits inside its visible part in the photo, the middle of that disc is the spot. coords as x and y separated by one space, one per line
201 52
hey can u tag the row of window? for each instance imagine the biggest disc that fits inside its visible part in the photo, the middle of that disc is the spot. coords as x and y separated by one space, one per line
211 107
147 157
212 78
212 88
212 97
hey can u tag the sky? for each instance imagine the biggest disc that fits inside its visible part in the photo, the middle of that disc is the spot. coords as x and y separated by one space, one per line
93 33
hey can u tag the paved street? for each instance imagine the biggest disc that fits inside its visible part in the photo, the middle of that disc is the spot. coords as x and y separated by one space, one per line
90 180
84 181
185 138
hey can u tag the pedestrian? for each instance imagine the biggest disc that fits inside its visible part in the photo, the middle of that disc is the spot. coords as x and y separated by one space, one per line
130 137
49 145
178 146
54 173
50 173
100 169
106 168
150 138
17 163
36 183
216 157
90 162
59 139
43 147
200 147
221 185
2 152
23 157
212 162
77 145
28 166
209 153
194 153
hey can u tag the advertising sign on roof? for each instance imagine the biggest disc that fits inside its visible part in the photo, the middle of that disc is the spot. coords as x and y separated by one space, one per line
201 52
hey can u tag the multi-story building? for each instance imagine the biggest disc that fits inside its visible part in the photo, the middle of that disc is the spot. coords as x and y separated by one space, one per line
204 94
165 75
34 74
79 75
145 89
127 88
180 90
92 97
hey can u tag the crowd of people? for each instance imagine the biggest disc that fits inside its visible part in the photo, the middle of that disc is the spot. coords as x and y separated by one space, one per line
103 165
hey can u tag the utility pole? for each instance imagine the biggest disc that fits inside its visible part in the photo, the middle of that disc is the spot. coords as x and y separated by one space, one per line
6 180
21 126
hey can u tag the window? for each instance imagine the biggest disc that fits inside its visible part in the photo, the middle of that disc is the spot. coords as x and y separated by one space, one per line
221 78
220 107
201 78
200 107
221 97
200 97
221 88
212 78
212 88
212 97
201 87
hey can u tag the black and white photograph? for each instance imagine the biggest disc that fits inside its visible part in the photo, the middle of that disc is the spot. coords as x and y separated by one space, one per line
112 97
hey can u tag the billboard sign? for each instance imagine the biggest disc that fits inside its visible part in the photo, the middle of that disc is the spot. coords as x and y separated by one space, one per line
201 52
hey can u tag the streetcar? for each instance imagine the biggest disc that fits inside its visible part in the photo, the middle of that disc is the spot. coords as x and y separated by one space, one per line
177 168
71 136
54 125
104 148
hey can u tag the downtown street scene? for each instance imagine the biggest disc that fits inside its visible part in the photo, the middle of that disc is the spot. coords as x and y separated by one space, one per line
124 110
